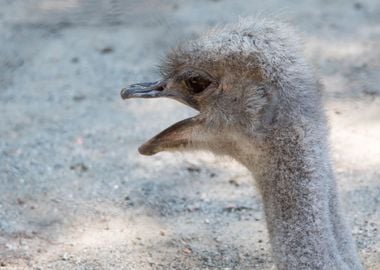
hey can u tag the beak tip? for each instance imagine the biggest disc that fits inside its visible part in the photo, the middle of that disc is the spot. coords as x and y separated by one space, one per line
146 150
123 94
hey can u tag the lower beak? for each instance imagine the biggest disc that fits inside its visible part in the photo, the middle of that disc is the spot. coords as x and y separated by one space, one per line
178 135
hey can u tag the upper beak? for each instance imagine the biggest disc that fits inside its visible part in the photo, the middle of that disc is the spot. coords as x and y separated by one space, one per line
143 90
158 89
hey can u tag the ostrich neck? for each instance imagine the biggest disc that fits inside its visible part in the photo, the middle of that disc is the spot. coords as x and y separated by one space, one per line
294 176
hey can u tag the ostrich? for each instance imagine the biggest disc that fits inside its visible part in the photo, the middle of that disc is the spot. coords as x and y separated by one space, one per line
259 102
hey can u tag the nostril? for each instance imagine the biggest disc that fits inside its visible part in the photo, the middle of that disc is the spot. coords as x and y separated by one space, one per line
160 88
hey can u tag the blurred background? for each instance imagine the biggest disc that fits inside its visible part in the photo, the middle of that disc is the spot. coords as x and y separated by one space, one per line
75 193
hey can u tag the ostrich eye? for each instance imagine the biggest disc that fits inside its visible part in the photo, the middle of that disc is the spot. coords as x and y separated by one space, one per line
197 84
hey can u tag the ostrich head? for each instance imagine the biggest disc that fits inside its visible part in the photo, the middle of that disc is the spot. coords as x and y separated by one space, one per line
236 77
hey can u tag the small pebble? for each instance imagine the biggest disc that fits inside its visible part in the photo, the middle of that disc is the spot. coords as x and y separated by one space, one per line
234 182
193 169
65 257
358 5
106 50
79 98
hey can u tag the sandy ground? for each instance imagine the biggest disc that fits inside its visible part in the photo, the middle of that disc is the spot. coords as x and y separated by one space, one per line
75 194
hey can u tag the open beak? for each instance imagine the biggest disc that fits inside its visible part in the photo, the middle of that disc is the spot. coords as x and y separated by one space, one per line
178 135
